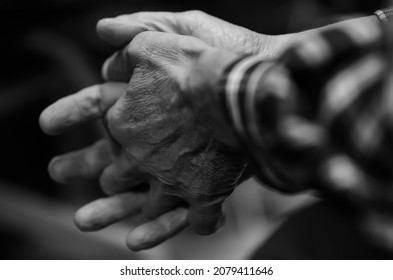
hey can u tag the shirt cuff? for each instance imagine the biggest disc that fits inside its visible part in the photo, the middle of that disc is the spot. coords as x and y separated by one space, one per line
385 15
239 87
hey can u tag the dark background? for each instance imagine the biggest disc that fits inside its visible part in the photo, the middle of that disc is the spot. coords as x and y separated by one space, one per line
49 49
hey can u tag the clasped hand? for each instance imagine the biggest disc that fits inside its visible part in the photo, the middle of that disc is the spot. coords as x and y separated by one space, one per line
154 138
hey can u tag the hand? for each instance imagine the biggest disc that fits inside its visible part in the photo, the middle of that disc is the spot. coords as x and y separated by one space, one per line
203 82
156 139
213 31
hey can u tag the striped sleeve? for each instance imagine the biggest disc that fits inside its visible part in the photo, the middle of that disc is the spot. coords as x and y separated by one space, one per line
298 114
246 85
321 117
237 97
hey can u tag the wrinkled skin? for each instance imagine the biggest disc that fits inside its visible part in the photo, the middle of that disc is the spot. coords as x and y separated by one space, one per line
161 139
218 33
155 139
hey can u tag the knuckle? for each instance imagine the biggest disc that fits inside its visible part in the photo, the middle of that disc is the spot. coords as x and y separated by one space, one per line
83 106
141 38
141 45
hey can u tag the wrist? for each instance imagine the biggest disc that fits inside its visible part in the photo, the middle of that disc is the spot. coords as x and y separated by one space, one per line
294 38
207 70
273 46
202 89
203 81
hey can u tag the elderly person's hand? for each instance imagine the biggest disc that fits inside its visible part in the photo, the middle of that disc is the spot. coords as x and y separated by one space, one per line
218 33
155 139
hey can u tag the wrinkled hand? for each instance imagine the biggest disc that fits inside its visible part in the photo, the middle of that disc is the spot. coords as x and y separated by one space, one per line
218 33
228 39
156 139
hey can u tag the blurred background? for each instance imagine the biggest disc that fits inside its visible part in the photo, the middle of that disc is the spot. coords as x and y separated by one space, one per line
49 49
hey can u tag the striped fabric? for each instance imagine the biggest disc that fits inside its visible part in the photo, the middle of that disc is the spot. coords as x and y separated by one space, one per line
385 15
321 118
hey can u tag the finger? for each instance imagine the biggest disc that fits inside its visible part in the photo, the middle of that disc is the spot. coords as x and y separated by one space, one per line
89 103
121 30
145 49
105 211
157 231
205 220
119 176
159 201
86 163
119 66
